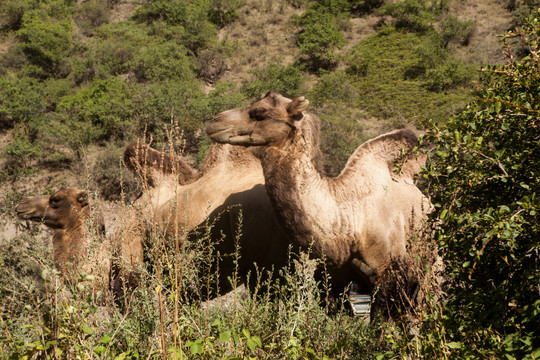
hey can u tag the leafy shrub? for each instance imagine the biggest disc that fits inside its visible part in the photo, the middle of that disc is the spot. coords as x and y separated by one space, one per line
166 61
320 36
115 46
22 150
333 87
13 11
436 67
190 19
223 12
21 100
161 106
448 75
102 111
452 29
287 80
91 14
112 180
414 15
484 182
46 40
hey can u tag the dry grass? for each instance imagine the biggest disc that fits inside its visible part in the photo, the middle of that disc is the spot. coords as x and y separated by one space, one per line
264 34
491 19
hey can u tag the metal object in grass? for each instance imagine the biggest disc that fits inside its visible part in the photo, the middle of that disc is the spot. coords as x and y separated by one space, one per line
360 304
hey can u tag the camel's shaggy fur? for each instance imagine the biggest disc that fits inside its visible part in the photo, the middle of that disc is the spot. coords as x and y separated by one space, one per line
358 221
230 182
78 232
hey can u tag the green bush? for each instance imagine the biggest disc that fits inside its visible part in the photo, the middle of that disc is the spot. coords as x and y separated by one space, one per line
113 49
21 100
22 150
12 13
111 179
101 112
320 36
435 66
452 29
91 14
414 15
484 184
287 80
189 18
44 39
166 61
223 12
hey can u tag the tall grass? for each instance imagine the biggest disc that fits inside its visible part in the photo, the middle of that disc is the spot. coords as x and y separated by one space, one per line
174 311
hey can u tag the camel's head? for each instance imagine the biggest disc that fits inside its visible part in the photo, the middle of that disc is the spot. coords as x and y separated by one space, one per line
266 122
61 210
151 165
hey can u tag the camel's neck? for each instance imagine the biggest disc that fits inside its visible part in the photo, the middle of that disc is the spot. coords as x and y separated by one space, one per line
71 244
68 246
221 157
301 195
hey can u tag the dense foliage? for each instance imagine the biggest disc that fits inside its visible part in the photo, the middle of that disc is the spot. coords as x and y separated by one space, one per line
485 184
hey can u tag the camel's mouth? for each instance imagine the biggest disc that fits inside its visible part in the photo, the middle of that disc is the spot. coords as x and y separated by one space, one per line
28 215
219 136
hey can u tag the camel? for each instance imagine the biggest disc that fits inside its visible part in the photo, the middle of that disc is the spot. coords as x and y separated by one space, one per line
75 226
230 182
358 221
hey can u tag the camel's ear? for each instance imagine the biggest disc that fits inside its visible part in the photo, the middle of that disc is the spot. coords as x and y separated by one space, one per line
296 106
83 198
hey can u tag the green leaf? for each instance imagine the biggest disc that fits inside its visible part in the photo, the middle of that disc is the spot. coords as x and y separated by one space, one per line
100 350
105 339
257 340
251 344
87 329
225 336
454 345
498 106
196 348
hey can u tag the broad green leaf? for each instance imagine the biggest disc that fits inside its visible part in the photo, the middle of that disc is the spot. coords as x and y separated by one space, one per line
225 336
87 329
105 339
454 345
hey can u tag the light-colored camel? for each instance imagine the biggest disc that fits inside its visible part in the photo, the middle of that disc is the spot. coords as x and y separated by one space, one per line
230 182
78 232
358 221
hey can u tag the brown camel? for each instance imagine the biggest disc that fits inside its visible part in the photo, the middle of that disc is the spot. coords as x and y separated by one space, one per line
358 221
230 181
78 232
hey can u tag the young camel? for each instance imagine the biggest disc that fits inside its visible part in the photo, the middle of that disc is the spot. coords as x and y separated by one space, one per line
230 182
358 221
75 226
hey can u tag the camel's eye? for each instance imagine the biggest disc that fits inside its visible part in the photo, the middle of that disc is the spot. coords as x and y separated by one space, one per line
54 202
258 114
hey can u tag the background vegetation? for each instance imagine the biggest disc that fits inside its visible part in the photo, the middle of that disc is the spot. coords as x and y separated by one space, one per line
81 79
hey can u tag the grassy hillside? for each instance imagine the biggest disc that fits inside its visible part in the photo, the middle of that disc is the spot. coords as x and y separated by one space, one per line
101 72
